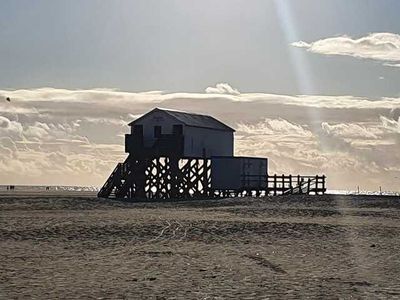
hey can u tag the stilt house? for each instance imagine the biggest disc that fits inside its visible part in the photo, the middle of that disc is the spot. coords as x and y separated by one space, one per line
174 154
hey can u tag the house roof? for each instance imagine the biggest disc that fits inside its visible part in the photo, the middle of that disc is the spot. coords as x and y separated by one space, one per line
191 119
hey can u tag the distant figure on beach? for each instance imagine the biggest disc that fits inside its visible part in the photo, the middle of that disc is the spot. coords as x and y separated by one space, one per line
47 188
8 99
7 187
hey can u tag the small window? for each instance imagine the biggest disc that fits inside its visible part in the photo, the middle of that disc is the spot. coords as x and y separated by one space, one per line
157 131
177 129
138 130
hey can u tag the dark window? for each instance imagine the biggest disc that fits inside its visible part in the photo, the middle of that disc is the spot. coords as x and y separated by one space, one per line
157 131
177 129
138 130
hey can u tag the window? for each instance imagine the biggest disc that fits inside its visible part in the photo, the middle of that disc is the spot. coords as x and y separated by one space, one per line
177 129
138 130
157 131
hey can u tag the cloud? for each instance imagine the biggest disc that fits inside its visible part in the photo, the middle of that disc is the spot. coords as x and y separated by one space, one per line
391 124
351 130
222 88
274 127
4 122
392 65
301 44
348 153
10 128
383 47
59 136
62 105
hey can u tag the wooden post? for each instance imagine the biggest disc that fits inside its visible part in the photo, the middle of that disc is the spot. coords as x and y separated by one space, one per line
274 184
140 177
300 185
174 167
205 174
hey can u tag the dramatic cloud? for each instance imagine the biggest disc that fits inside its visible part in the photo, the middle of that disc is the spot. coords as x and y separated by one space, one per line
58 136
391 124
222 88
351 130
274 127
377 46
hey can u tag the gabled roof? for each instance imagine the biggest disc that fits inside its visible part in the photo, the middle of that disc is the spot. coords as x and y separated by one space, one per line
191 119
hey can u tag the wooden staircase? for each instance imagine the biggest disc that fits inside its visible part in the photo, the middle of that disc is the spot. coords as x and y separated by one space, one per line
113 180
122 181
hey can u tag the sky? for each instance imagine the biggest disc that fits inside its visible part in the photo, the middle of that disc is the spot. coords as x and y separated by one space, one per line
312 85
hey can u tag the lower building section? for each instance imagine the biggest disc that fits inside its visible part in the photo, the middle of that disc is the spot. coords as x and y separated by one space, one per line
159 178
238 173
185 178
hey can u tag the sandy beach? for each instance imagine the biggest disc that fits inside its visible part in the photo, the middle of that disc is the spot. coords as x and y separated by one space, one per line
75 246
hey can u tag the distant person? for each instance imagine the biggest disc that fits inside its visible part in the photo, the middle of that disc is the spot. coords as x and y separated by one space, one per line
47 188
7 188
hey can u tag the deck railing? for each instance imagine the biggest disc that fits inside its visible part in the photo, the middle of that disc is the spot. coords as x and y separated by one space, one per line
297 184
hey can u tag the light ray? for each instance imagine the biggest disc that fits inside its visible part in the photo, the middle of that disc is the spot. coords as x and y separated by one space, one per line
298 59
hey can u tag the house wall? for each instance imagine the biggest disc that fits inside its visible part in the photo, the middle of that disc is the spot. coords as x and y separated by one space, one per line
216 142
238 173
156 118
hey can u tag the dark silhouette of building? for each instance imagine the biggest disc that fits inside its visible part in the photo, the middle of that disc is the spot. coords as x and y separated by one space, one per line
174 154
